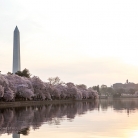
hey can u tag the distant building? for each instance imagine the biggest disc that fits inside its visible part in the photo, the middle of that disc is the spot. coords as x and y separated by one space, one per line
129 85
118 85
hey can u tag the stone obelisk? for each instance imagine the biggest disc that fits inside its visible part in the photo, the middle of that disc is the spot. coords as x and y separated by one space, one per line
16 51
15 135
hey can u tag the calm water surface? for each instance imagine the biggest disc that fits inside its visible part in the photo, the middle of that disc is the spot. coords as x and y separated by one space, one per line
100 119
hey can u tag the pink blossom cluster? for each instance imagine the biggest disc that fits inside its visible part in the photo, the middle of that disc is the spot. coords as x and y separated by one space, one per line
14 87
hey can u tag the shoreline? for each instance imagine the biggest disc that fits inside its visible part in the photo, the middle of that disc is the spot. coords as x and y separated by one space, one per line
37 103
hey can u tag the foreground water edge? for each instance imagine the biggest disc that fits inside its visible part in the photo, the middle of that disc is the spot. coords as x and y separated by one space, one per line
98 118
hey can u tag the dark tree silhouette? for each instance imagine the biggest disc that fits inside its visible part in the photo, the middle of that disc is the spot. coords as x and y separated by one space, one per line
24 73
9 73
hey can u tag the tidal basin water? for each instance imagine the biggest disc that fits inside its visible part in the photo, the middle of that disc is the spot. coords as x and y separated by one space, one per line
105 118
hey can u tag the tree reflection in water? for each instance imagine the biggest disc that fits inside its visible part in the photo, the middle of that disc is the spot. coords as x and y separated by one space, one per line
119 104
19 120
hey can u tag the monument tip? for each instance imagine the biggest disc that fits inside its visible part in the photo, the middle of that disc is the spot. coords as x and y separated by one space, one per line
16 28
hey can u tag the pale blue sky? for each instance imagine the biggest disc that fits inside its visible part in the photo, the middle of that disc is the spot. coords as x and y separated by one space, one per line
84 41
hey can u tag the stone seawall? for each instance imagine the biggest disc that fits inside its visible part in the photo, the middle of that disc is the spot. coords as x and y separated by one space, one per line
35 103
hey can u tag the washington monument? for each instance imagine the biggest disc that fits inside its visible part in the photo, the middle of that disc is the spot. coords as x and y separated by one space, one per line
16 51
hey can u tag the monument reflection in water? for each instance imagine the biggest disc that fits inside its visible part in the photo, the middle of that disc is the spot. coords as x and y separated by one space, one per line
15 135
18 121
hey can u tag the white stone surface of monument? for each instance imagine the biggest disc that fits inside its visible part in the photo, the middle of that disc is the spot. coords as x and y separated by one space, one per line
16 51
15 135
